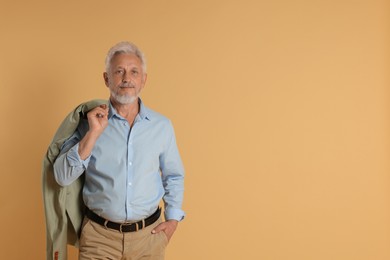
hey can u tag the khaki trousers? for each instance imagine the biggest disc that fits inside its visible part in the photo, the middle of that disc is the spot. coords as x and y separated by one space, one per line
97 242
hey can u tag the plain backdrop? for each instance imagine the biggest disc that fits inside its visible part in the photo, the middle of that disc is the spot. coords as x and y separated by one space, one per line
281 111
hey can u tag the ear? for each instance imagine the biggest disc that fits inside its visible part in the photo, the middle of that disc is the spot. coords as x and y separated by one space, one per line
105 76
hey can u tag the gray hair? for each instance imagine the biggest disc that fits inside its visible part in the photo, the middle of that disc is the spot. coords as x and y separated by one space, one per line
128 48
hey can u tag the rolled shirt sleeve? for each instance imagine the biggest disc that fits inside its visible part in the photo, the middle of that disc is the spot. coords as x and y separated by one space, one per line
173 178
68 165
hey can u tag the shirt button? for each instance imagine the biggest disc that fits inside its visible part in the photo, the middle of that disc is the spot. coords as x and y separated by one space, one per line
130 163
129 183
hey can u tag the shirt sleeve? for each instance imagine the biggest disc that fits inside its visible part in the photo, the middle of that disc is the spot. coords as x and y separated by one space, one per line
173 178
68 166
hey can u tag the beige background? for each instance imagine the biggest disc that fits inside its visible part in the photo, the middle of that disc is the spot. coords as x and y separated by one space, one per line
281 110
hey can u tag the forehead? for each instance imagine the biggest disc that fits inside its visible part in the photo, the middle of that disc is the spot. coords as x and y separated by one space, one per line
126 60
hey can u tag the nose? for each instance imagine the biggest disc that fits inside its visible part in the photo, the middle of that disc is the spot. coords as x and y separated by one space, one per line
126 77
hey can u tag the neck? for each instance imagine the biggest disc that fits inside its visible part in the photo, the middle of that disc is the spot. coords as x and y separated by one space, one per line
128 111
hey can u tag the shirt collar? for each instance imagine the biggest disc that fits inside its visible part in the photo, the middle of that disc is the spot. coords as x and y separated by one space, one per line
143 113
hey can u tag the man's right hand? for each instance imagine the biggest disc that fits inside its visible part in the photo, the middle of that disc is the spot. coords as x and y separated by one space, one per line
98 121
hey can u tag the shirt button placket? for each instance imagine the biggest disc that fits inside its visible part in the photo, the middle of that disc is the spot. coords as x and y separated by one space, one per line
130 172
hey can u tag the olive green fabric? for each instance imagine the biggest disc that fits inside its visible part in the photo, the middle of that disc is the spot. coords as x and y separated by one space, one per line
64 206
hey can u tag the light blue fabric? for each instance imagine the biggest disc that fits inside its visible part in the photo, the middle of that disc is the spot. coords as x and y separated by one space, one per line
130 169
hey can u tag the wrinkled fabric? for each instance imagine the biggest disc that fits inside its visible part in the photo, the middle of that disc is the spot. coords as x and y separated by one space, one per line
64 206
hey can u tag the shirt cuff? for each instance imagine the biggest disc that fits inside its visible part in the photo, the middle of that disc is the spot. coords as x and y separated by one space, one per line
74 159
175 214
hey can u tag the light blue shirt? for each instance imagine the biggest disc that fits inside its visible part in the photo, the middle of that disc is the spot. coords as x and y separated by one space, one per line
129 170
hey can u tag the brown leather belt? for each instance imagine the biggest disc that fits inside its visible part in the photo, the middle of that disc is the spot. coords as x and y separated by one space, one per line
124 227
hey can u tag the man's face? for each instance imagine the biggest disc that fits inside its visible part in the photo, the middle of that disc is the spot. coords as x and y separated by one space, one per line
125 78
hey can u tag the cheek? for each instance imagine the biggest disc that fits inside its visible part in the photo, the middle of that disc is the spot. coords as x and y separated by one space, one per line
113 82
142 82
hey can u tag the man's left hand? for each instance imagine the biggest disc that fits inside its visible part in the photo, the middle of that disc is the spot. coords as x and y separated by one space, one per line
168 227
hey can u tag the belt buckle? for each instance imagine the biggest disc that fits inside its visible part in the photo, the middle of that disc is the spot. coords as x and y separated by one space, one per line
121 226
127 224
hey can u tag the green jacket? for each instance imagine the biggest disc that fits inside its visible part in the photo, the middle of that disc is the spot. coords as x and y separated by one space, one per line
64 207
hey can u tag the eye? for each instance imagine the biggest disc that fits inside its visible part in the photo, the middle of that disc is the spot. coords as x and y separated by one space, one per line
119 72
134 72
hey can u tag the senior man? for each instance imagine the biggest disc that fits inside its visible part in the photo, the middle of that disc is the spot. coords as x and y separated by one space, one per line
131 162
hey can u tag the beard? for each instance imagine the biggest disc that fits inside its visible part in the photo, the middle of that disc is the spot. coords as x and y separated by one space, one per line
123 99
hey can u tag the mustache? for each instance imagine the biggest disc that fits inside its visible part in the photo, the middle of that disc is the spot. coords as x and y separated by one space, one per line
126 85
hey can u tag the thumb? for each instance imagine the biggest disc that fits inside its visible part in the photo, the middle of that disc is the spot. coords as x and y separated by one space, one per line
157 229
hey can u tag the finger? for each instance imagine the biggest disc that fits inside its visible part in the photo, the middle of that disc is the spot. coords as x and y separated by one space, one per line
104 107
102 110
100 114
159 228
